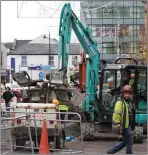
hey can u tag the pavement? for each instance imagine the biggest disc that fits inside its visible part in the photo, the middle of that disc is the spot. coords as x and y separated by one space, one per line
91 147
100 146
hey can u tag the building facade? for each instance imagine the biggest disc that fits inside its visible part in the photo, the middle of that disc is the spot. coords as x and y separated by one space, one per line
37 57
4 69
117 26
146 25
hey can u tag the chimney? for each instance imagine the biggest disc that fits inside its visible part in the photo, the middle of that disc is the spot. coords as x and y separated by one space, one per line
44 36
14 44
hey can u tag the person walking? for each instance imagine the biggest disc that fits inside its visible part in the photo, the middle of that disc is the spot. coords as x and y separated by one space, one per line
7 95
124 121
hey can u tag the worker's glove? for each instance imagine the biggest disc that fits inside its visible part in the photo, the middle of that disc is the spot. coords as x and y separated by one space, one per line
118 128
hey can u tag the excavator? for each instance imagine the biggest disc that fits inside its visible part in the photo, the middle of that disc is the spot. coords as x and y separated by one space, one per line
97 109
69 21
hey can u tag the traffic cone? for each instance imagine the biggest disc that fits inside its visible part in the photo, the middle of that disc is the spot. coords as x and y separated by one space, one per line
44 145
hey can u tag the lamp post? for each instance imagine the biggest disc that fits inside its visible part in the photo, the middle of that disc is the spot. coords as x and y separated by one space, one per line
31 70
118 32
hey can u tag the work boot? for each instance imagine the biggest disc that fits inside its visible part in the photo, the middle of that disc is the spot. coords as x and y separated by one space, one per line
109 151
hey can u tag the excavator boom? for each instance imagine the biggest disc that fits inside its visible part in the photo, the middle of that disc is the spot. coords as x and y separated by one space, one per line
69 22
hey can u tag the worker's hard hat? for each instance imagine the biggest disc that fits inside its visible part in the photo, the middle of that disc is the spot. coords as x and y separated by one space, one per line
127 88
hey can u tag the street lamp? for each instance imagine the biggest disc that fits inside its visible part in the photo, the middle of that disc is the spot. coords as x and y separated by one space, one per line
118 31
31 70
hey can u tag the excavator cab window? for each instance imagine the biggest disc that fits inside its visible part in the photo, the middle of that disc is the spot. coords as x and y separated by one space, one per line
141 90
141 81
110 88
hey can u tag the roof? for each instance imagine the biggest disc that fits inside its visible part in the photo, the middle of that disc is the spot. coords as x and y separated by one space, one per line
43 39
43 49
9 45
16 44
20 43
39 46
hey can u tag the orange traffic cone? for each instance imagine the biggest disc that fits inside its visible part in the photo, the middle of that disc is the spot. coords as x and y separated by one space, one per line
44 145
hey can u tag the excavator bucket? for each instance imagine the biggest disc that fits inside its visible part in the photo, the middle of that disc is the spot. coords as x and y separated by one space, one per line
56 78
22 78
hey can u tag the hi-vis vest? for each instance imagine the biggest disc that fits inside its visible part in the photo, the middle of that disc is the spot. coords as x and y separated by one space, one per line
63 107
118 115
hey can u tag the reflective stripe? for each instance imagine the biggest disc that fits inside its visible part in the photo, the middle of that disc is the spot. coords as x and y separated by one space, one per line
63 107
116 125
118 112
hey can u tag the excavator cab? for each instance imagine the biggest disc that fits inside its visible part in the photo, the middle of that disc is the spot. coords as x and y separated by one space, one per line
110 81
113 78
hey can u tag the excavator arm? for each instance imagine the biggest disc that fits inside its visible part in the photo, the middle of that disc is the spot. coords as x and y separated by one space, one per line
69 22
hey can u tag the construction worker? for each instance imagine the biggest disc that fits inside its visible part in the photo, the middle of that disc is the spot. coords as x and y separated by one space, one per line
123 121
62 107
7 96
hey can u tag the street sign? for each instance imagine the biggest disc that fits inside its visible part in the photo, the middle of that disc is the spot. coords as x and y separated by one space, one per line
34 68
41 76
46 67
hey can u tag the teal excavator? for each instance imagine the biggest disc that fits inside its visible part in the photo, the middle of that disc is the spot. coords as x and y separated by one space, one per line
69 21
97 108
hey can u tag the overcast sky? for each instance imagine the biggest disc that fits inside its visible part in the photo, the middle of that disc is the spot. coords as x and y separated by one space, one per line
14 25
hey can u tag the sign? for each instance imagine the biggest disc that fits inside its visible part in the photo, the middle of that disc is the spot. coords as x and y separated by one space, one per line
41 76
34 68
46 67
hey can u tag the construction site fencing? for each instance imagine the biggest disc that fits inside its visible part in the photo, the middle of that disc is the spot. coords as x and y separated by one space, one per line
26 116
7 127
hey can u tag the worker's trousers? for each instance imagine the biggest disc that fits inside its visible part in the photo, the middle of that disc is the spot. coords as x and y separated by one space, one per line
7 104
127 141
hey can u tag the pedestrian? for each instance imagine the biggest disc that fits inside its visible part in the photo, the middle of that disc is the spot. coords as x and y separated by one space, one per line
7 95
124 121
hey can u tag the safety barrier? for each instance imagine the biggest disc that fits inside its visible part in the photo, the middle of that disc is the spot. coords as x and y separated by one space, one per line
27 117
6 125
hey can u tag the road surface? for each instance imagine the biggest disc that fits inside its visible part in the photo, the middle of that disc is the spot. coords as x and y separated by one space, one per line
94 147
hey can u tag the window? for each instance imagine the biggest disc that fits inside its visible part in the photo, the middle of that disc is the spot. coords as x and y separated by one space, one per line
142 89
51 60
74 60
110 49
111 81
142 81
134 12
126 48
24 61
133 30
93 29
